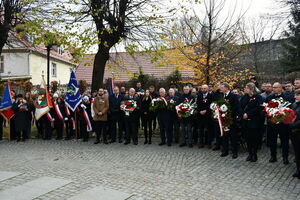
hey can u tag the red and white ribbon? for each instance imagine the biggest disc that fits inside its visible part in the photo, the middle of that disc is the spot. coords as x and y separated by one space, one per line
87 120
50 117
59 114
67 110
217 110
73 123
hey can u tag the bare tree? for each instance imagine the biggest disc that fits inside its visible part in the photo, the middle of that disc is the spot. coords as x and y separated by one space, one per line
214 37
111 21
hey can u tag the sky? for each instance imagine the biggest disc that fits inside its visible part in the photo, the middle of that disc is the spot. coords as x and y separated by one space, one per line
251 9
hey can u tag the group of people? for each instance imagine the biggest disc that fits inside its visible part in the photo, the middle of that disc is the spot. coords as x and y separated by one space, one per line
100 113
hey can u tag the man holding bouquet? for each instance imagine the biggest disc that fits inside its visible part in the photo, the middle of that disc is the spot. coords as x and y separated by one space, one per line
232 134
278 128
131 117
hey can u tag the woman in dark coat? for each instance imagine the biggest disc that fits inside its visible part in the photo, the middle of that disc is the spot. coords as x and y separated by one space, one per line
85 106
251 108
147 116
22 122
295 135
30 105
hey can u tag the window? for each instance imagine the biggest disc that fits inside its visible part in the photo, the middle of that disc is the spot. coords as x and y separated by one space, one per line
60 50
53 70
1 64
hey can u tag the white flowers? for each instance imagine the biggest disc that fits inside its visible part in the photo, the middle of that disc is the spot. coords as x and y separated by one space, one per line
213 106
223 108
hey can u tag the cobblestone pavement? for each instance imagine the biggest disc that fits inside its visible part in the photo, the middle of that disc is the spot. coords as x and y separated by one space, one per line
147 171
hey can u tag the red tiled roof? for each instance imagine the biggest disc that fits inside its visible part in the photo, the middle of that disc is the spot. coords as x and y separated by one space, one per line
124 66
42 50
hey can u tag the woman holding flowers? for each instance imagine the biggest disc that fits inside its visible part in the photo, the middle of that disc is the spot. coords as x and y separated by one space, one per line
251 119
147 116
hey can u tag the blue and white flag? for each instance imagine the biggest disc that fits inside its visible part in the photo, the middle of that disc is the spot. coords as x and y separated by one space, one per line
73 97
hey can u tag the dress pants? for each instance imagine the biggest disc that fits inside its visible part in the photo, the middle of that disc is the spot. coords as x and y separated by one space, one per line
131 129
147 124
283 131
253 139
295 137
101 127
164 127
233 137
114 123
206 131
58 126
186 131
45 127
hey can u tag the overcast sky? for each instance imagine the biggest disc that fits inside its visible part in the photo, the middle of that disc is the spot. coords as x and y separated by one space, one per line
251 8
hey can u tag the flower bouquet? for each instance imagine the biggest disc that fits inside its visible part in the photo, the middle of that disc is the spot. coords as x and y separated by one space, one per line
128 106
161 103
278 111
186 109
222 113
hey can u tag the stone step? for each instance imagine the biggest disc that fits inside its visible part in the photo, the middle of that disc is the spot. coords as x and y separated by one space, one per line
33 189
7 175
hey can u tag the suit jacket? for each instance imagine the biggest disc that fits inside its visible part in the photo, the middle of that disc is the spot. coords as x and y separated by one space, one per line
101 104
114 106
235 106
252 107
204 104
296 108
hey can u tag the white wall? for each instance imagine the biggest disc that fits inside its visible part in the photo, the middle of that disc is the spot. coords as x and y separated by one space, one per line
16 63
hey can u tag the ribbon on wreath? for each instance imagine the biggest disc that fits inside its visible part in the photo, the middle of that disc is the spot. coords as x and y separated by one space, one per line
217 110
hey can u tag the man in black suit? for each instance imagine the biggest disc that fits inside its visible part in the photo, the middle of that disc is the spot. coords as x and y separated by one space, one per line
206 126
186 123
282 129
174 122
131 120
236 110
115 115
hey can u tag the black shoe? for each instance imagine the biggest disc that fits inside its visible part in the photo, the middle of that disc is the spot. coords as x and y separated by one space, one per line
97 142
286 161
67 138
249 158
254 158
126 143
224 154
23 139
162 143
146 142
112 141
273 159
216 148
169 144
84 140
234 156
120 141
182 145
190 146
18 140
105 142
296 174
149 142
135 143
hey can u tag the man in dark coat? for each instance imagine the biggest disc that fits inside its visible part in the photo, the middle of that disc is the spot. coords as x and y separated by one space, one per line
164 119
206 126
186 123
21 120
232 134
131 120
174 122
280 129
115 115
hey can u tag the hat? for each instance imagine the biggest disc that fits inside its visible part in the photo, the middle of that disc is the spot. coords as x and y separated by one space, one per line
85 98
55 95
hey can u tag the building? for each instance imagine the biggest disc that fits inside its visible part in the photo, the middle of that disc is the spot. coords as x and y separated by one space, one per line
123 66
21 60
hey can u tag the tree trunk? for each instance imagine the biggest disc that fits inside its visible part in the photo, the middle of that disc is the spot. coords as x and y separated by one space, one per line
101 58
3 37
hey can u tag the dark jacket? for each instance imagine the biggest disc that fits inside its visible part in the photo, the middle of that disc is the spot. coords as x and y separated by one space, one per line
204 104
296 108
235 106
145 105
22 122
252 107
114 106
